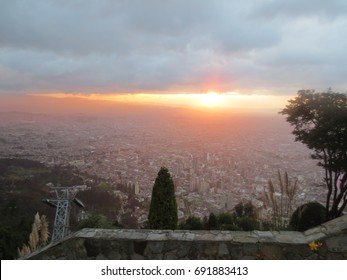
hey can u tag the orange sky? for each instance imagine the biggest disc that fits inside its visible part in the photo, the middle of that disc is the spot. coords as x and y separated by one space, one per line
62 103
211 100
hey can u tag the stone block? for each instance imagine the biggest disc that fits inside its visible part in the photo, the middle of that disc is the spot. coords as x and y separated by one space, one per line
236 251
114 255
207 236
139 247
85 233
137 235
290 237
224 236
170 256
245 239
156 236
210 249
315 236
315 230
170 246
263 236
250 249
337 243
271 252
183 249
155 247
223 250
189 236
175 235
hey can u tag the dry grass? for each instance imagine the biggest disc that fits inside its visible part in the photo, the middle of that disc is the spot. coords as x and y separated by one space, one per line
281 200
38 237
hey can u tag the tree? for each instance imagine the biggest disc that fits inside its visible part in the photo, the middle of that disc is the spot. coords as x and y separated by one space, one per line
320 122
163 208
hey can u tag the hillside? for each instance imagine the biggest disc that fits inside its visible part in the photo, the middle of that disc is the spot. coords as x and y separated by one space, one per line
23 185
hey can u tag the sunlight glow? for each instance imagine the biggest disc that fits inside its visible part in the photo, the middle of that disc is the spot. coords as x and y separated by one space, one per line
209 101
212 100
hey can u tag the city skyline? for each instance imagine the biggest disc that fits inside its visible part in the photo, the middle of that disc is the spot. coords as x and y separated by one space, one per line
216 160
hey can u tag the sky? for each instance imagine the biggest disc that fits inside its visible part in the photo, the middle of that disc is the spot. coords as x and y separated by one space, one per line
250 47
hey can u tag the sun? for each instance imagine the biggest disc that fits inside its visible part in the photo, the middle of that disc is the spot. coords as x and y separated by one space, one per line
211 100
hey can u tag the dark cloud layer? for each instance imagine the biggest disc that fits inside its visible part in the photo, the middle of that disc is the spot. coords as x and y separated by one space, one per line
135 46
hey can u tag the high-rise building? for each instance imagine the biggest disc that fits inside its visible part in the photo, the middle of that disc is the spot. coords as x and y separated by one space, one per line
195 164
137 188
226 202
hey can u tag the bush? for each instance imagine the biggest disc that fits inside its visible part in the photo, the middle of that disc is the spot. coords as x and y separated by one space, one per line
94 220
247 224
192 223
308 216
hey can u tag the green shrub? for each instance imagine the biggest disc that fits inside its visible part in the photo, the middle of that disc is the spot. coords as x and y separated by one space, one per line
192 223
307 216
247 224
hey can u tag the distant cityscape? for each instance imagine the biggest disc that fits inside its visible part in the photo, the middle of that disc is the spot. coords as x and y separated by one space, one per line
215 163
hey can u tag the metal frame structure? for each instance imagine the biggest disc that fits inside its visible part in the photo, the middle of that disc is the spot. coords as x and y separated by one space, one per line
62 203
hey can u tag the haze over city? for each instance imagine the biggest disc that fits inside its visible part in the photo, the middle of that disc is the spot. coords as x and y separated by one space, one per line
120 88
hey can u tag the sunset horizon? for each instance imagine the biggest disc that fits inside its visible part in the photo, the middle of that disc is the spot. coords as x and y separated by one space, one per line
210 101
202 53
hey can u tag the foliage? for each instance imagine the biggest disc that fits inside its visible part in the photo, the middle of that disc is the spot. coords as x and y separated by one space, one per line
104 186
307 216
320 122
15 226
212 222
224 221
280 199
243 218
9 241
192 223
96 220
98 201
247 223
245 210
239 209
163 208
22 188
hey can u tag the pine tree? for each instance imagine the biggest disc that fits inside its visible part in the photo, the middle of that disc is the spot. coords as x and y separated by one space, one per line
163 208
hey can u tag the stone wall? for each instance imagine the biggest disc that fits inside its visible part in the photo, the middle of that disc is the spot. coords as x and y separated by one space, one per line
327 241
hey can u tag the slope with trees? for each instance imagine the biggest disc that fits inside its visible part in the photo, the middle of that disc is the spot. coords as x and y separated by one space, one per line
23 185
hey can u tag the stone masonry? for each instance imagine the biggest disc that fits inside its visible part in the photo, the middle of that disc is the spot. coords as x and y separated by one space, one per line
327 241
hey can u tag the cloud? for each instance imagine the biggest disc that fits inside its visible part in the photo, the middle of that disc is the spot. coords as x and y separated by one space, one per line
329 10
191 46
